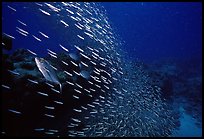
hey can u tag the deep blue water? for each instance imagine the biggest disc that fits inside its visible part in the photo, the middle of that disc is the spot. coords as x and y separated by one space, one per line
158 30
150 31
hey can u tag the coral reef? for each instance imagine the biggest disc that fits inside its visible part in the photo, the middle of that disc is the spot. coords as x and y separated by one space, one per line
26 82
180 83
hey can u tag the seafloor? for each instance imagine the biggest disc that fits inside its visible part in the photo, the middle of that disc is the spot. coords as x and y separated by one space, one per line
179 82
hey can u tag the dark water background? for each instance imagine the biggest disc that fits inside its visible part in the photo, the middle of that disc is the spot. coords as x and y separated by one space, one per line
153 32
158 30
164 33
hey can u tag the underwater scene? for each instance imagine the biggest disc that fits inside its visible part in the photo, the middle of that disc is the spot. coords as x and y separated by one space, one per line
101 69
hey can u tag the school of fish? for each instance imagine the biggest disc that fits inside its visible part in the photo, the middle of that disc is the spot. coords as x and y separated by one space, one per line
103 94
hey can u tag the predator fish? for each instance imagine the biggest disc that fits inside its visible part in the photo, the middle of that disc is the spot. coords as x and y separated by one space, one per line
47 71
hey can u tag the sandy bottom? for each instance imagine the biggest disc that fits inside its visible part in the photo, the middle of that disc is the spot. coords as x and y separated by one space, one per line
188 127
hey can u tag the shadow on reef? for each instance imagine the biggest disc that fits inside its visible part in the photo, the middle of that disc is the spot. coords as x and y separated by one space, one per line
25 93
38 107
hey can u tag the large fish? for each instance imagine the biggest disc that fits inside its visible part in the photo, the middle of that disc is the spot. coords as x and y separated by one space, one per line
47 71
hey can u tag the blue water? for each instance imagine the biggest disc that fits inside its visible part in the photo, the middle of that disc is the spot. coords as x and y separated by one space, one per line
155 31
188 127
37 22
158 30
149 31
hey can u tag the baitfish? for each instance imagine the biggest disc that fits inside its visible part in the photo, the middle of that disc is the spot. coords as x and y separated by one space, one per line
47 71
